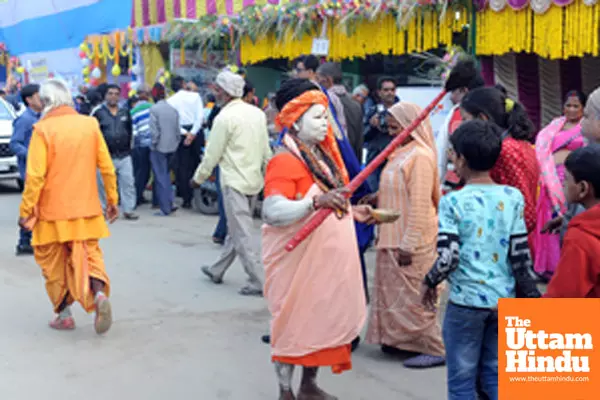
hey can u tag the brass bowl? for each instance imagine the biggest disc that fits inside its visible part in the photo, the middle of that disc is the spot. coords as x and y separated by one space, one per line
384 216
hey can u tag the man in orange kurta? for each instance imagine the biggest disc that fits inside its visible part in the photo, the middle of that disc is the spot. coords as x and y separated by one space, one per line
61 205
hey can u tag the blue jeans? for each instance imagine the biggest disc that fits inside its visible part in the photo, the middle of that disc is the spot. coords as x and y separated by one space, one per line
471 340
24 237
221 229
162 181
140 156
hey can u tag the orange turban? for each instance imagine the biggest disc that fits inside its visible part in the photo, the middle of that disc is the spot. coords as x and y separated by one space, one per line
296 108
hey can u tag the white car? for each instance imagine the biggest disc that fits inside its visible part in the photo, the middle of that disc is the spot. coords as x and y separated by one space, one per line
9 168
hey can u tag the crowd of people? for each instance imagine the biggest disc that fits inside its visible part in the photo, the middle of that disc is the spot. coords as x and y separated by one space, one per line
481 207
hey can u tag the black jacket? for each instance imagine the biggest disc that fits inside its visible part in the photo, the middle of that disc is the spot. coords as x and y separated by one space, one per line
117 130
376 139
213 114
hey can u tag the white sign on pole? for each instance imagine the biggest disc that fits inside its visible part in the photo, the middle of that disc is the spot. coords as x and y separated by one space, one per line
320 47
38 70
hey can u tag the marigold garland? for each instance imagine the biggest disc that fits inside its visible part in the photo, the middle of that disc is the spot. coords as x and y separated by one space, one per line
425 31
559 33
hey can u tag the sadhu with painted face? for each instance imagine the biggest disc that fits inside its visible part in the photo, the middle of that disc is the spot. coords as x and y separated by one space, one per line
315 293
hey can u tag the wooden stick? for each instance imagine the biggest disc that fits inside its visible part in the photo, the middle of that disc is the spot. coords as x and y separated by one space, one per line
322 214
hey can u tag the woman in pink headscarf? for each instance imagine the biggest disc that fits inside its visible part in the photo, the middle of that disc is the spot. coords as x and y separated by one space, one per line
552 146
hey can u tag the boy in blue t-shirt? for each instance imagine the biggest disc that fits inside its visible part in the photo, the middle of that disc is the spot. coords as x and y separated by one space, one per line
484 254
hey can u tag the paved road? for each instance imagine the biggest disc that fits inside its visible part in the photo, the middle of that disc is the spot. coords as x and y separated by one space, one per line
176 336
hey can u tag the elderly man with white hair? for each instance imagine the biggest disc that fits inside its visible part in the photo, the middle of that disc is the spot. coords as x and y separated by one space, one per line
239 144
61 206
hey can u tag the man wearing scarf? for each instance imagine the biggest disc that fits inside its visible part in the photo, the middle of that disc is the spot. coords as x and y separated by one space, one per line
239 144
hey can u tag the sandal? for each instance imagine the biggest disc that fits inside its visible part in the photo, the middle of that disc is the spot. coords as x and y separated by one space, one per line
103 320
424 361
62 324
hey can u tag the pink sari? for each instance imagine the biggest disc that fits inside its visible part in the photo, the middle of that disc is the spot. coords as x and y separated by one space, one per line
551 200
315 293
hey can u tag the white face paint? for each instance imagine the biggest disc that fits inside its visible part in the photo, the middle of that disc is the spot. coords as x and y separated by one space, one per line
312 126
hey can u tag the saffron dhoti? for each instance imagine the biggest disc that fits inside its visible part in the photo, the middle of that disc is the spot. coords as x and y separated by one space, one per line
68 267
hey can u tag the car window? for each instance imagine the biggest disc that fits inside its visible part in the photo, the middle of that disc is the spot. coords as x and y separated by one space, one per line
5 113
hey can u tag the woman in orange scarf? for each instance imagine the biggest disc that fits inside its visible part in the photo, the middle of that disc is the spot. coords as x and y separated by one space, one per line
307 174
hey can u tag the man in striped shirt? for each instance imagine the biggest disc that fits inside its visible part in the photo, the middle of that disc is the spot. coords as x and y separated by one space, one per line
142 140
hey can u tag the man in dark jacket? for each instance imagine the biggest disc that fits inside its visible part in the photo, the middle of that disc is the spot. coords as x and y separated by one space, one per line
19 143
115 124
376 131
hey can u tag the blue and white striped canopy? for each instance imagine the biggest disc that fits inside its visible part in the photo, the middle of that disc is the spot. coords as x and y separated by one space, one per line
54 29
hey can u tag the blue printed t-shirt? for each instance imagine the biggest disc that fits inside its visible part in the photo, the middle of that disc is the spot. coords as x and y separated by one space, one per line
484 217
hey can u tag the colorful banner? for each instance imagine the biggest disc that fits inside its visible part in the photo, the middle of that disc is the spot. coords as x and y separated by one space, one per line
154 12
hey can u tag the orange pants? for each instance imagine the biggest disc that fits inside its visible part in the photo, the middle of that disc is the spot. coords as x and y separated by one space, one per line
68 267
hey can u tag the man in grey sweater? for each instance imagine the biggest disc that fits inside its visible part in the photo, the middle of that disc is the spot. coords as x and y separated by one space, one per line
165 132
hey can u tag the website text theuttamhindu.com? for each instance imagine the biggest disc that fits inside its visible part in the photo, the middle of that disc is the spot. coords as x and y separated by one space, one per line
546 379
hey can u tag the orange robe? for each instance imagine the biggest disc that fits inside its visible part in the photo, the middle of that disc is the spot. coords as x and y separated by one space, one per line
289 177
61 197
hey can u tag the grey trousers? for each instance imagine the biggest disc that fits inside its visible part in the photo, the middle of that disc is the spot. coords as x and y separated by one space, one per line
125 184
240 238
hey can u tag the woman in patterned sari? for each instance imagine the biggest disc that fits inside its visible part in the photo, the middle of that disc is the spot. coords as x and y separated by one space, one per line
552 146
406 249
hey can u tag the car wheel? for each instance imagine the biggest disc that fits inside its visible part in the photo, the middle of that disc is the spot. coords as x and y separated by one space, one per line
20 184
206 201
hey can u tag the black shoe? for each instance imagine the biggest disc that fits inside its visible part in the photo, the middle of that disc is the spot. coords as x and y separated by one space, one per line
266 339
131 216
186 205
24 249
394 351
355 343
